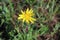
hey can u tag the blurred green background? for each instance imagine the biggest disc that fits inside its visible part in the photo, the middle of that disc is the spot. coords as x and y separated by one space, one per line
46 27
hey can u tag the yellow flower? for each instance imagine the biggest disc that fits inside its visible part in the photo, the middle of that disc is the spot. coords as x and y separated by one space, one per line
27 16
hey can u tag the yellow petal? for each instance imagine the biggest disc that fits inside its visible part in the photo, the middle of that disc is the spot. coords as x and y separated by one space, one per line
23 19
20 15
31 21
31 11
22 12
19 18
27 10
27 21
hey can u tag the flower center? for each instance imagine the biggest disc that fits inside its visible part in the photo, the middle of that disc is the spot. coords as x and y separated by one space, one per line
27 16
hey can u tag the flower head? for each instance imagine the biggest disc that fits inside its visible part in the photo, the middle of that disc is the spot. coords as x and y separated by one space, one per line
27 16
